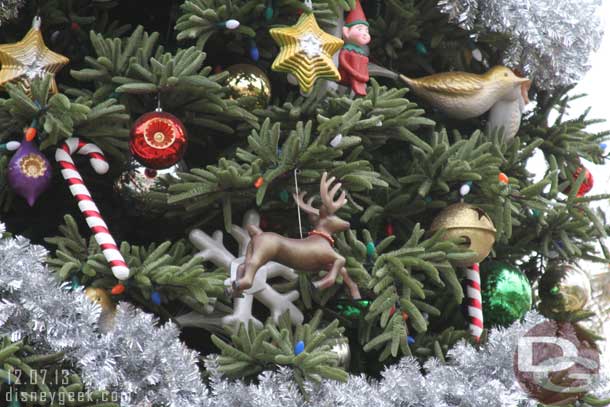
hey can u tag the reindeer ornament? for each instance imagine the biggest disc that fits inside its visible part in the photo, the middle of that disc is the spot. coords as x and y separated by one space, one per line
313 253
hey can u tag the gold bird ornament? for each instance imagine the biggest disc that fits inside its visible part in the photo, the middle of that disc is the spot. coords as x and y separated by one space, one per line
505 115
464 95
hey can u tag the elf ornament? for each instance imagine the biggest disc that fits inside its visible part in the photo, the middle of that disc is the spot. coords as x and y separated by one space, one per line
28 59
354 58
29 171
314 253
158 139
306 52
464 95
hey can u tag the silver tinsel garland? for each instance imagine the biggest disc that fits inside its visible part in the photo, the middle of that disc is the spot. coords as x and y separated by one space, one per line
137 360
551 40
461 12
149 365
470 378
9 9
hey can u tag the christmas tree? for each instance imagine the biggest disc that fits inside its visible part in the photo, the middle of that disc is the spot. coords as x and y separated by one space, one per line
214 202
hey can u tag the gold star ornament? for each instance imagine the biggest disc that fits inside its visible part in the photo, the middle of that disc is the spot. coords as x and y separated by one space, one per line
28 59
306 52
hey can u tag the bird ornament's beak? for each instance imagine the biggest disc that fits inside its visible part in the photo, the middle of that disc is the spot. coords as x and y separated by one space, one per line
525 87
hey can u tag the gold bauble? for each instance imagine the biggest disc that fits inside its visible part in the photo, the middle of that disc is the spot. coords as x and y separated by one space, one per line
105 323
28 59
564 287
101 297
249 85
470 223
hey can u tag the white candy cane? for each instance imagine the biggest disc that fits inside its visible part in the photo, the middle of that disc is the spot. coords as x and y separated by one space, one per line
63 156
473 295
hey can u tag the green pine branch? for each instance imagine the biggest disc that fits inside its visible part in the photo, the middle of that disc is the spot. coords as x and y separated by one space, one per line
36 379
249 350
137 71
86 14
169 268
272 156
403 24
58 117
383 114
402 280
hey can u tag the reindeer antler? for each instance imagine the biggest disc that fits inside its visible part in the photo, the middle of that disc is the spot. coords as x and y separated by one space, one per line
299 199
331 205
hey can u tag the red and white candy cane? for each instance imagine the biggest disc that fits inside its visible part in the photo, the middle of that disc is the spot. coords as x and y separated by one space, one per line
94 219
475 306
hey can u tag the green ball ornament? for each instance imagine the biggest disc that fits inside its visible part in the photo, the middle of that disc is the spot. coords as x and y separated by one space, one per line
506 292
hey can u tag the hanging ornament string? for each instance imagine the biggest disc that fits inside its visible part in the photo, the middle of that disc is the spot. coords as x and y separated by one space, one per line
296 188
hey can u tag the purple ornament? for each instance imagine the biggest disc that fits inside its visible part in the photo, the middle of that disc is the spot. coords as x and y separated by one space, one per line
29 172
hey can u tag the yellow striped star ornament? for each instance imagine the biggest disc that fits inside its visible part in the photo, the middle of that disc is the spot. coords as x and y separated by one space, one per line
28 59
306 52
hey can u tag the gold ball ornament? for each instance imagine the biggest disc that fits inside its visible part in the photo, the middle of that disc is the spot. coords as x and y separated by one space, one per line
306 52
470 223
28 59
249 85
564 287
101 297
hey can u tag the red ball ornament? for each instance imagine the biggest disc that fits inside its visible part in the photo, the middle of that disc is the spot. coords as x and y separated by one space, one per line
587 183
158 140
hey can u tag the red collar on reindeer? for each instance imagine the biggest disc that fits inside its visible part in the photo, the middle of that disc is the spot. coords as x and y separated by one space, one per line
325 235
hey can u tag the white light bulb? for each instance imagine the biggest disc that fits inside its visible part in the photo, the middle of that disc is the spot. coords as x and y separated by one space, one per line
464 189
13 145
232 24
336 140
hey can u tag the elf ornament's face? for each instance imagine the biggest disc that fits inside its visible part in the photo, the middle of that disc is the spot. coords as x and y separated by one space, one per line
357 34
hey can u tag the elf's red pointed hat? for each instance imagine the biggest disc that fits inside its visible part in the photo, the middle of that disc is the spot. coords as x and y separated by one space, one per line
356 16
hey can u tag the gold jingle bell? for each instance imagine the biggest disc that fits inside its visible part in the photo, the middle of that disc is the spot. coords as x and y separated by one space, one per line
472 224
249 85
